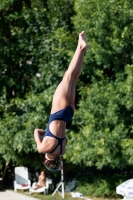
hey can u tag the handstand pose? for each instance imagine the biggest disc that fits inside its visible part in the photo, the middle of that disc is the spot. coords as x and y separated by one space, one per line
54 142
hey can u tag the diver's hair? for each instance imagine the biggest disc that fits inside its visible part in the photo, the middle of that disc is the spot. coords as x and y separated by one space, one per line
53 165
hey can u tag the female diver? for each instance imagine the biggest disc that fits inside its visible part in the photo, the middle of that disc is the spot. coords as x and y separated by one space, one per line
53 144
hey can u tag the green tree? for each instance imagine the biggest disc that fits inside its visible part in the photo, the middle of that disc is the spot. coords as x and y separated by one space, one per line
104 114
104 119
35 41
109 27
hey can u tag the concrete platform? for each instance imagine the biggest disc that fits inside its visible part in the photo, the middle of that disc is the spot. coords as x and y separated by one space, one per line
11 195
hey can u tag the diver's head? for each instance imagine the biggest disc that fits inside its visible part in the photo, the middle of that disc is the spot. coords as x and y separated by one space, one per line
52 164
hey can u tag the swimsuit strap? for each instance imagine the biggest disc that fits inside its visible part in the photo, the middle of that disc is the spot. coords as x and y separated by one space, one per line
60 140
59 143
65 115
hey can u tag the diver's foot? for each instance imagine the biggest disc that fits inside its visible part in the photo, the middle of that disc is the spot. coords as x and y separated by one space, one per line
82 41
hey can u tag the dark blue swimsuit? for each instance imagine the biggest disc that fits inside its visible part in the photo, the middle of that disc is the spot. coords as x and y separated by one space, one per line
66 115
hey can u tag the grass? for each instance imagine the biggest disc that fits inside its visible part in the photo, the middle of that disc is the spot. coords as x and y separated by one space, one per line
57 196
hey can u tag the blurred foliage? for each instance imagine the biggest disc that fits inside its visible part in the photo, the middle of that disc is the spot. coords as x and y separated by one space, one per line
102 125
104 120
102 183
108 26
38 39
35 44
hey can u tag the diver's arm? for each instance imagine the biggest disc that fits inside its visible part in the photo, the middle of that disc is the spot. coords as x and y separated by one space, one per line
38 134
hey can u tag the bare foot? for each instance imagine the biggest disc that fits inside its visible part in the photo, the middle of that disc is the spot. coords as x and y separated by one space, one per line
82 41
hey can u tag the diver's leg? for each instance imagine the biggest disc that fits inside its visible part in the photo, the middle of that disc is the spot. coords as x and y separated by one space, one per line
65 92
73 87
